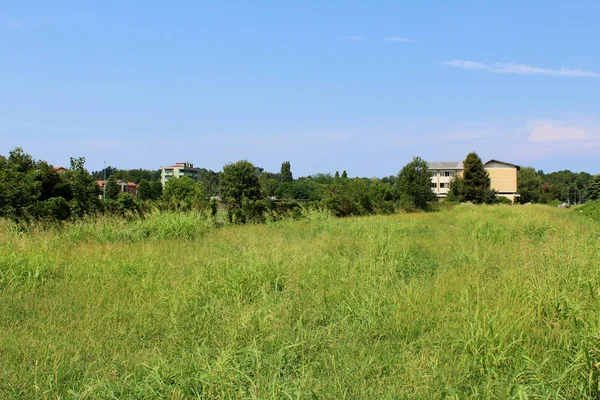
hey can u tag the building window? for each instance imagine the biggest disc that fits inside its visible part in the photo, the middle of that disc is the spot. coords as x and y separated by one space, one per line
433 173
442 185
448 173
433 185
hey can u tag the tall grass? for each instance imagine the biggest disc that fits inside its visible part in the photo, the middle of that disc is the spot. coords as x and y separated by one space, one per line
471 302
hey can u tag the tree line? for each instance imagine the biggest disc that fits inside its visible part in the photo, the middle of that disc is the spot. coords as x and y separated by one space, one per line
32 190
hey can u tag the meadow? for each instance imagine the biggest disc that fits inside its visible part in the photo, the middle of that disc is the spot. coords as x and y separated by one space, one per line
470 302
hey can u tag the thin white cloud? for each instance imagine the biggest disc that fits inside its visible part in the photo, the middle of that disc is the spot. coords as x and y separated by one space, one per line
542 131
399 39
520 69
354 37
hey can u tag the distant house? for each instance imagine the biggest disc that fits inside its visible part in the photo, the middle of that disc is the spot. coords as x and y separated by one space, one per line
59 170
178 170
503 177
126 187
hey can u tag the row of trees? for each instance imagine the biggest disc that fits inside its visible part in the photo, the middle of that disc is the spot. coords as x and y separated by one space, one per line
32 189
561 186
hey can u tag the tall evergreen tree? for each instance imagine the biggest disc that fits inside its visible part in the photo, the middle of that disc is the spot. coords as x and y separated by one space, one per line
476 181
594 188
286 172
414 184
344 174
112 188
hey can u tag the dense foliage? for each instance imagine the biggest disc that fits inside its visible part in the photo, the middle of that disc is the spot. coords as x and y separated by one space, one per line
414 185
31 190
476 181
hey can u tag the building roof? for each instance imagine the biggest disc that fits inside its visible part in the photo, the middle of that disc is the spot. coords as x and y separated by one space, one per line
120 182
184 165
502 162
445 165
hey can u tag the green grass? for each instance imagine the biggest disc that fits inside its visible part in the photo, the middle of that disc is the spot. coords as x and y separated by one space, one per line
471 302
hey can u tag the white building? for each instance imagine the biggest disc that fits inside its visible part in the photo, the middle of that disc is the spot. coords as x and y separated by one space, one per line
442 174
503 177
177 171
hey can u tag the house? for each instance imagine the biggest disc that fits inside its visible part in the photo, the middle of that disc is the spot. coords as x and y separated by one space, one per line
59 170
178 170
503 177
126 187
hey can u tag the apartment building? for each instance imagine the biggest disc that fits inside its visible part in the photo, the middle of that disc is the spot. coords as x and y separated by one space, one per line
503 177
178 170
442 174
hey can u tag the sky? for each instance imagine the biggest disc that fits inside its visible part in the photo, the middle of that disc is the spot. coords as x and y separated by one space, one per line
360 86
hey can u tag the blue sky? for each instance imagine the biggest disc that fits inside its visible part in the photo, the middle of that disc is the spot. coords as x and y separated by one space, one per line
327 85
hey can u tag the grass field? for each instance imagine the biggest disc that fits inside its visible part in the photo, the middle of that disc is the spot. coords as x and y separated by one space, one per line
471 302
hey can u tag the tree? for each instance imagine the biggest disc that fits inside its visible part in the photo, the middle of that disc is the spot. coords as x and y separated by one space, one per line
530 185
240 181
382 196
594 188
286 172
476 180
19 190
184 194
112 188
414 184
126 204
84 188
144 191
268 186
240 188
455 189
344 174
157 190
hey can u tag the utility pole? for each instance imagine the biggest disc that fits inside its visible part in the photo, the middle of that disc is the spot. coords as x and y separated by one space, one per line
104 183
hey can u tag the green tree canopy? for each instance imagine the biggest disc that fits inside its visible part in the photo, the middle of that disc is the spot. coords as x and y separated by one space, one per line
112 188
476 181
455 189
286 172
414 184
594 188
239 181
530 185
184 194
144 191
84 188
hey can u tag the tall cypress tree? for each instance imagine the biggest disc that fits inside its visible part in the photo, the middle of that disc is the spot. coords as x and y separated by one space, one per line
286 172
476 181
112 188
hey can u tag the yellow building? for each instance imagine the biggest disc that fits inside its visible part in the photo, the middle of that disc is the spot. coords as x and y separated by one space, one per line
503 177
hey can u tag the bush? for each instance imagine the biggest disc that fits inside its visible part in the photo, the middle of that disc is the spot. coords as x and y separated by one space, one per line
56 208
